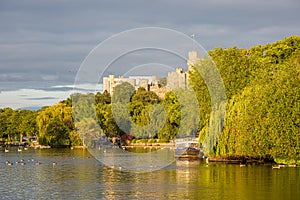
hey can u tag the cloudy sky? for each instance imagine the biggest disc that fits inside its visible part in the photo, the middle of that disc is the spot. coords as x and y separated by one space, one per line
43 43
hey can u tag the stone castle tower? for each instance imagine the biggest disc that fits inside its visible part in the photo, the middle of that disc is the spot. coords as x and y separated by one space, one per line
193 57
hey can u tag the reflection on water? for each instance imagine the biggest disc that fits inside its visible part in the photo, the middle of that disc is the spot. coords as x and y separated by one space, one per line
133 160
77 175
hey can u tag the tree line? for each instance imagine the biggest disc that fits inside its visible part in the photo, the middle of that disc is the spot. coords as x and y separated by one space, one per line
82 117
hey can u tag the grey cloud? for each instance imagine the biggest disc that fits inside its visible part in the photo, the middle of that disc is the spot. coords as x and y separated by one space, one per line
57 89
44 42
64 89
36 76
40 98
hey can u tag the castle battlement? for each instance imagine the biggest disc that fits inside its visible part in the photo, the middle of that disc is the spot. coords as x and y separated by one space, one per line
175 79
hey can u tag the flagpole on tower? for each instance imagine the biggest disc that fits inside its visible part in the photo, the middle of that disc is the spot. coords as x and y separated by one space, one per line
193 38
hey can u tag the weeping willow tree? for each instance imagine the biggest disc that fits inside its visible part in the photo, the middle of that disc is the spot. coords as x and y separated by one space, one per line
54 124
209 88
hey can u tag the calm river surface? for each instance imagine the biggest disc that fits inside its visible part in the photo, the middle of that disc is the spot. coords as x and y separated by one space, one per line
78 175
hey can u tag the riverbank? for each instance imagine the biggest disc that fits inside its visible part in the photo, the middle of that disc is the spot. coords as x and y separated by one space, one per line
217 159
161 145
240 159
150 145
249 160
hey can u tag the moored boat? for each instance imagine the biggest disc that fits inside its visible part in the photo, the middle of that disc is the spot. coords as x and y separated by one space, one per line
187 149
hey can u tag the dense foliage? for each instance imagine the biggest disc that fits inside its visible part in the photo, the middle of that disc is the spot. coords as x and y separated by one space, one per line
56 125
14 124
263 101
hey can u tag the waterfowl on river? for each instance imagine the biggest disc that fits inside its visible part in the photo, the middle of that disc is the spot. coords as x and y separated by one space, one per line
38 163
6 150
9 163
19 149
242 165
275 167
206 160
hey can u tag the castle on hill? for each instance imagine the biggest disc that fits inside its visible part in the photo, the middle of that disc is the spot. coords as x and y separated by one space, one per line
174 79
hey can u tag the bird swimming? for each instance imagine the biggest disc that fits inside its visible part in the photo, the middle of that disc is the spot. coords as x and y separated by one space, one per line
38 163
275 167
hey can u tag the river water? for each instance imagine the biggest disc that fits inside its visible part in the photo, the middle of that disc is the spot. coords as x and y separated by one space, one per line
77 175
